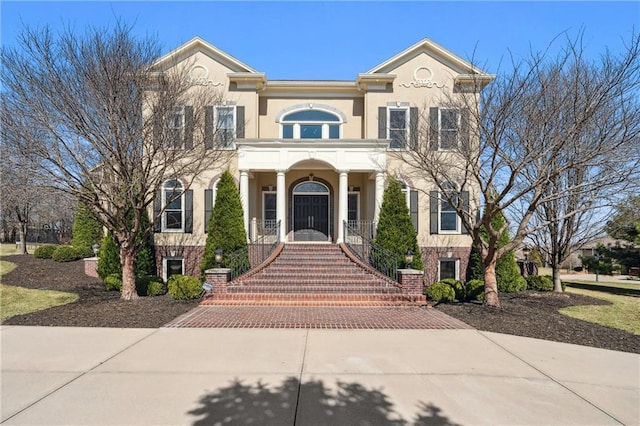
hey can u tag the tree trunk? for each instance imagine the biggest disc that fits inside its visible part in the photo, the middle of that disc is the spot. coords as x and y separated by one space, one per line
23 237
128 258
557 283
491 298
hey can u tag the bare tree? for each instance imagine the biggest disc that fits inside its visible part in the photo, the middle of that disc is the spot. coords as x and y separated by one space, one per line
112 127
544 121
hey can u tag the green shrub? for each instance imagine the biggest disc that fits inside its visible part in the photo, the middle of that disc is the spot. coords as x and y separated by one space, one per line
109 261
539 282
84 252
440 292
457 287
45 252
474 290
149 285
87 230
65 254
514 285
113 282
184 287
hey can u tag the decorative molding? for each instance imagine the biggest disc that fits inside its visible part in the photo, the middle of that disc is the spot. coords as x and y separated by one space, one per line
199 76
423 82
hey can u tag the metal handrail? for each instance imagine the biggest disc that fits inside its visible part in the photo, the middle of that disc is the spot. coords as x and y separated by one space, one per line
246 258
364 249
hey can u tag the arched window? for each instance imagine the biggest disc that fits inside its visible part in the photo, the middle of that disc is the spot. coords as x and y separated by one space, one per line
173 199
311 124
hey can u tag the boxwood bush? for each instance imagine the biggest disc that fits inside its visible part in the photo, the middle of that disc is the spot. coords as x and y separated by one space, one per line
184 287
457 287
440 292
149 285
113 282
45 252
474 290
65 254
539 282
512 285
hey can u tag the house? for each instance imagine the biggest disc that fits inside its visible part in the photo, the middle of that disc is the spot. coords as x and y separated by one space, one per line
314 154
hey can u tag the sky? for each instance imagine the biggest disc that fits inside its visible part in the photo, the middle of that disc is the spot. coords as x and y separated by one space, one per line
336 40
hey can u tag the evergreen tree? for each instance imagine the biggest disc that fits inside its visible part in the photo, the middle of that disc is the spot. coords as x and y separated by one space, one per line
226 226
109 260
145 257
475 270
395 232
87 230
507 272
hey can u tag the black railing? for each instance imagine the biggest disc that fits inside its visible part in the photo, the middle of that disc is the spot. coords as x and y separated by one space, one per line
242 260
358 241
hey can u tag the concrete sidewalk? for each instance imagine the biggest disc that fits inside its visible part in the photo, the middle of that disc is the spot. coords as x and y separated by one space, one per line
84 376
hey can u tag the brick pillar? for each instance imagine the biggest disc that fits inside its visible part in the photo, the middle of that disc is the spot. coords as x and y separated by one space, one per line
218 278
411 281
91 266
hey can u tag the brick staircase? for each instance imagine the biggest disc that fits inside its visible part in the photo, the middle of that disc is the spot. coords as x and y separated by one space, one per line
313 275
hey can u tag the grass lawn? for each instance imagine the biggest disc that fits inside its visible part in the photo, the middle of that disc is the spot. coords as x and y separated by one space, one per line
631 288
18 300
7 249
623 313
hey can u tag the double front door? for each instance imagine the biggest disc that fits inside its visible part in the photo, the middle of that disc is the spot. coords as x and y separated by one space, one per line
311 217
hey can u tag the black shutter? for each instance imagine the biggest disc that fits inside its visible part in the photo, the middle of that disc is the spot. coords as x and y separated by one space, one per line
208 128
382 122
188 127
464 129
239 122
465 206
413 208
208 208
157 208
434 129
188 211
413 128
433 212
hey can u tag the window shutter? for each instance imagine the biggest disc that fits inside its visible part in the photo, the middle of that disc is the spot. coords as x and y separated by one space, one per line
434 128
208 208
413 128
413 203
382 122
157 128
239 122
157 208
188 211
208 128
188 127
464 128
433 212
465 205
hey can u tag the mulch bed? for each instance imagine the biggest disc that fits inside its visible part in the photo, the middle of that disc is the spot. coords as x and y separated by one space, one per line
529 314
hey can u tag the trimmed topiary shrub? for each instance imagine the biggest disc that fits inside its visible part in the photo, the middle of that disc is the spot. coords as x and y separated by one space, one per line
109 261
45 252
65 254
149 285
514 285
539 282
113 282
440 293
87 231
457 287
474 290
181 287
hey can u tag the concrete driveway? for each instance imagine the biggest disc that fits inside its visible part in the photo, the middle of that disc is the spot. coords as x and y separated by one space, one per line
167 376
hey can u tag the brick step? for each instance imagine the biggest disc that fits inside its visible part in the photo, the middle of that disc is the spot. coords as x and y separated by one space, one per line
317 288
311 299
309 262
325 273
306 281
329 257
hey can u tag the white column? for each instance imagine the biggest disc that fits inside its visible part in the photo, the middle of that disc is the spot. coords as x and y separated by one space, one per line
281 196
343 200
244 196
379 194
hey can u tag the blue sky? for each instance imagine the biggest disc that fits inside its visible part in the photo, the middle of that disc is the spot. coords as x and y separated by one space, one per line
337 40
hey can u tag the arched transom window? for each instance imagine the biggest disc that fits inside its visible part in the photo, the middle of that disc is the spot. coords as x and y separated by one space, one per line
311 124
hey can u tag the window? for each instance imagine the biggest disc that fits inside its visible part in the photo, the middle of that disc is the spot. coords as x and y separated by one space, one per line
412 203
448 268
443 216
172 266
449 125
311 124
353 207
269 210
446 127
398 127
173 198
225 124
449 221
176 128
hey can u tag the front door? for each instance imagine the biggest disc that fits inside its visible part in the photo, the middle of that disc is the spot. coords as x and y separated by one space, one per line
311 213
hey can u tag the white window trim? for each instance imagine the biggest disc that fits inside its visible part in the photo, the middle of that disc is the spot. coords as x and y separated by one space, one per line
449 259
177 110
263 204
164 213
325 124
234 125
406 190
458 229
358 204
164 265
407 111
458 119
